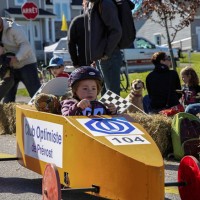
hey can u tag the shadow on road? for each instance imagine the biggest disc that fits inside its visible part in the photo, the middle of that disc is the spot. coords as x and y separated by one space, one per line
20 185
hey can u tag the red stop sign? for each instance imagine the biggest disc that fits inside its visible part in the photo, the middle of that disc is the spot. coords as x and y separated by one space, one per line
29 10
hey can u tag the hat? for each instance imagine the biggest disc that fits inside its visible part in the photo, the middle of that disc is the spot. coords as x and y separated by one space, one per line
83 73
55 62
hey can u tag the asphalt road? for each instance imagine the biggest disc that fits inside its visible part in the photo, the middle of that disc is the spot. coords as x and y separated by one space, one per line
19 183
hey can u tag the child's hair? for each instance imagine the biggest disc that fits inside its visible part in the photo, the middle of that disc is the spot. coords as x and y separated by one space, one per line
189 71
158 56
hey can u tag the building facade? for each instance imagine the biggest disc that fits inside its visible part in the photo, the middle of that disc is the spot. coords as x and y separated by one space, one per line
186 39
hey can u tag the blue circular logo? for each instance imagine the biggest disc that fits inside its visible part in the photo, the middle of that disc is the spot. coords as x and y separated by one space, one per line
110 126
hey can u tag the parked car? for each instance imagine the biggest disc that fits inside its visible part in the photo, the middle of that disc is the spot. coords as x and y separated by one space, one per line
142 50
137 56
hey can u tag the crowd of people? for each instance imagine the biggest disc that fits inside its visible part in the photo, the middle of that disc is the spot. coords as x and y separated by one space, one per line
165 90
93 39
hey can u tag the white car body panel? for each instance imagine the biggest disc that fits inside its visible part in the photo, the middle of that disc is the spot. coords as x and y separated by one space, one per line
138 56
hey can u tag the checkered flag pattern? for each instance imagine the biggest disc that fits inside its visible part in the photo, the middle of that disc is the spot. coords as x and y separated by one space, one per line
121 104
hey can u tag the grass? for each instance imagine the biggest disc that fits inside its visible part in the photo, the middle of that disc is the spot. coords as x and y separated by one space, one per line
22 92
194 61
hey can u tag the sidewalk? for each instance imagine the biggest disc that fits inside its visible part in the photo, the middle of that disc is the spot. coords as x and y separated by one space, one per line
22 99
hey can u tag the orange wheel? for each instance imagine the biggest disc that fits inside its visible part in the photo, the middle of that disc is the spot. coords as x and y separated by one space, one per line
51 189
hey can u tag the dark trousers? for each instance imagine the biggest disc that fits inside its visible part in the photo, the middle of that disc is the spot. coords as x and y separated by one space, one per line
28 75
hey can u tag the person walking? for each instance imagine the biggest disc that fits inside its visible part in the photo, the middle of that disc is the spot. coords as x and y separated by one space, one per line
76 42
104 33
24 62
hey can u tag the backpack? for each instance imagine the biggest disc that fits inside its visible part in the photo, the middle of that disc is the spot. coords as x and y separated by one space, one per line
125 8
185 135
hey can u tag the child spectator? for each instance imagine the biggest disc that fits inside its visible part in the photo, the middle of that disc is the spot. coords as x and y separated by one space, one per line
191 87
86 84
56 67
190 90
6 72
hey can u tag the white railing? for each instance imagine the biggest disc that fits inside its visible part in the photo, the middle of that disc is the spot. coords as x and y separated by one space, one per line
183 44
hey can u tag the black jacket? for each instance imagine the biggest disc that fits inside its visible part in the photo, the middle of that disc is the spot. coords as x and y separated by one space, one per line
76 42
161 85
104 28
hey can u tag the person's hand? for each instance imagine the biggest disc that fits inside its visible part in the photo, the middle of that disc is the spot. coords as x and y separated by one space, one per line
105 57
13 60
111 107
84 103
93 64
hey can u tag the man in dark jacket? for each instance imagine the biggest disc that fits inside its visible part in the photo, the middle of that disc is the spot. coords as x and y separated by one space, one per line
104 34
76 42
162 84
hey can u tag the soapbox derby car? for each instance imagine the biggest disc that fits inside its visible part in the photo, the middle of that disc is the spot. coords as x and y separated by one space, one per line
108 156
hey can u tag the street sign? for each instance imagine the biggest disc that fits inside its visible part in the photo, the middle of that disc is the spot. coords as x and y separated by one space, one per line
30 10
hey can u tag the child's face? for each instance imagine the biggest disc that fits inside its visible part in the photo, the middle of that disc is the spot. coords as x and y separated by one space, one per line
87 89
56 71
185 78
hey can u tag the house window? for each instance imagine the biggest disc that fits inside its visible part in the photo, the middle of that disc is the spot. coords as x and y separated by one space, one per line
62 7
19 2
35 28
157 39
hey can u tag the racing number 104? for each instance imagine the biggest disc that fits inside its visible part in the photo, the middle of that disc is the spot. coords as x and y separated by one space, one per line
128 140
125 140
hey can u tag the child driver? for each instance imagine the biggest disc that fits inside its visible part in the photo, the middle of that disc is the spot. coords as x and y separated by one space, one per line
86 83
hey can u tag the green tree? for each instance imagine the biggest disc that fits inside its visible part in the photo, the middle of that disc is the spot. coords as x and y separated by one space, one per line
166 11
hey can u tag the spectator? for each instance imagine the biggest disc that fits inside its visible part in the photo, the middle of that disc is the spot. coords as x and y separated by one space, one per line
6 74
76 42
104 33
86 84
161 85
24 62
191 87
190 90
56 67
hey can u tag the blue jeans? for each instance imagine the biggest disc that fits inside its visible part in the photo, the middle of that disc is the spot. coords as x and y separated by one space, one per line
147 104
193 109
29 77
110 70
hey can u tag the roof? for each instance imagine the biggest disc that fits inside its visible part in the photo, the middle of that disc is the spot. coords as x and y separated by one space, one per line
17 11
